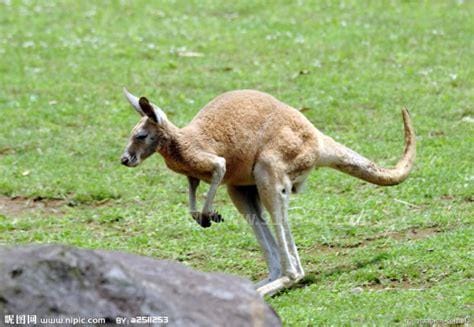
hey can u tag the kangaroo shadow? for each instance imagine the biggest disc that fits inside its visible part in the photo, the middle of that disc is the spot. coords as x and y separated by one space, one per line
314 277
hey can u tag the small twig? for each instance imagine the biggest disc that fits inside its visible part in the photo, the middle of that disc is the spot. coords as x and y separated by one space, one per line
400 289
407 203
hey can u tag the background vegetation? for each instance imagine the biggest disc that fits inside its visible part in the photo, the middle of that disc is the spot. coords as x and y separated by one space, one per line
373 255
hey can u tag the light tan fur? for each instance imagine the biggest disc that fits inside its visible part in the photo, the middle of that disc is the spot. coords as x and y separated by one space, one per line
262 149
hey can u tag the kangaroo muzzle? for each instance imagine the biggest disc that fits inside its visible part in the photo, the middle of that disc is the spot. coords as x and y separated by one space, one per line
129 160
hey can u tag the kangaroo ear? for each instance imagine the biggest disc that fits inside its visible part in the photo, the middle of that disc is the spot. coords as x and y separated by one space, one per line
133 101
145 107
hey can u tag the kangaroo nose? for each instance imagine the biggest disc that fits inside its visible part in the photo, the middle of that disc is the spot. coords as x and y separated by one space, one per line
124 160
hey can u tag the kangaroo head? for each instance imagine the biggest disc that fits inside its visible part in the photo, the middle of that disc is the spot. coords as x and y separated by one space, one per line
148 135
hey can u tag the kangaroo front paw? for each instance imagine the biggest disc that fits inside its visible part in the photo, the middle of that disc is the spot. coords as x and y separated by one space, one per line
203 220
216 217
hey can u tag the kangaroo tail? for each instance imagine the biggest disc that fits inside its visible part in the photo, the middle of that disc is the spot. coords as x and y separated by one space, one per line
339 157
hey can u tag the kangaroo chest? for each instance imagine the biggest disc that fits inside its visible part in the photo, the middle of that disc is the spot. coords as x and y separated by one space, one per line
186 169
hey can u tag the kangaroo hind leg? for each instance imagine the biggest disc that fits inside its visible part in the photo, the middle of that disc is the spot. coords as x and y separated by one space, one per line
247 201
274 187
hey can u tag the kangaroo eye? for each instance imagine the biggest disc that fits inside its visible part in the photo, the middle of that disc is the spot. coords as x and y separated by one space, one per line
141 136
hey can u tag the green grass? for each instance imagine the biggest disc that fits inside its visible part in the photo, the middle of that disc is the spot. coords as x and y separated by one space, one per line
352 65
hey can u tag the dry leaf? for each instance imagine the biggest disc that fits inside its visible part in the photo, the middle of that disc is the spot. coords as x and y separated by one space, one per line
303 109
301 72
190 54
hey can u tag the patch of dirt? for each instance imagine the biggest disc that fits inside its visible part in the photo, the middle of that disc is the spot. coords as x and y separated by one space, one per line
394 286
447 197
453 198
18 205
15 206
438 133
6 150
409 234
388 284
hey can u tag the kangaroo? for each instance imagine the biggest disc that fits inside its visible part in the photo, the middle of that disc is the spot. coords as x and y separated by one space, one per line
262 150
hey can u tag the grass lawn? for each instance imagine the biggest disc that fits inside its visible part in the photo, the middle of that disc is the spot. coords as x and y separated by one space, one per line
372 255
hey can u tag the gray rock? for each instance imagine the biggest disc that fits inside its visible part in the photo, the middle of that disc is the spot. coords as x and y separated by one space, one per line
53 281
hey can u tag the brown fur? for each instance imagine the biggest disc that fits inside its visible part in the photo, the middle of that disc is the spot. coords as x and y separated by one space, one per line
244 126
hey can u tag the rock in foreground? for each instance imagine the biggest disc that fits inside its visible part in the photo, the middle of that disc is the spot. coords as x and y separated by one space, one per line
52 281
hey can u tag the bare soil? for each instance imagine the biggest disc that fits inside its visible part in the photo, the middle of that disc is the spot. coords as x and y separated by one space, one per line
16 206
